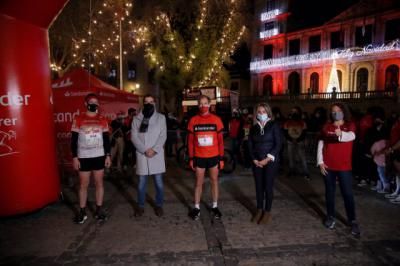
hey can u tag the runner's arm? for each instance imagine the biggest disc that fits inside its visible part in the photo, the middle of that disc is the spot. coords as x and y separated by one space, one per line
221 143
74 144
106 143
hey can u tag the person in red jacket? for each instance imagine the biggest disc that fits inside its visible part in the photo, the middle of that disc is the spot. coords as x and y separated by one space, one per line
335 161
206 150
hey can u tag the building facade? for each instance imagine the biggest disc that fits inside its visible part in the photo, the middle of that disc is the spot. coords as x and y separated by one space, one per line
357 50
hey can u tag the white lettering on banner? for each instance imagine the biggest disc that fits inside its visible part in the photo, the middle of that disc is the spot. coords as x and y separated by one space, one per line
77 93
312 58
65 117
14 99
64 83
64 135
269 33
106 94
6 148
270 15
8 122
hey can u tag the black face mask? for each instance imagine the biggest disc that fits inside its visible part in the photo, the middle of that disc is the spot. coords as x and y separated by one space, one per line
92 107
148 109
296 116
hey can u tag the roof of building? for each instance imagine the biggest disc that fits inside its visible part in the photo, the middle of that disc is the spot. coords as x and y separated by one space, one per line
365 8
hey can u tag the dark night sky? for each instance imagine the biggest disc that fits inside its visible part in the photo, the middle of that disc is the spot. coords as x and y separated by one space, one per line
308 13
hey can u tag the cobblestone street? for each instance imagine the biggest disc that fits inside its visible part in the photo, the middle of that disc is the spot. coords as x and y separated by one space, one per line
294 237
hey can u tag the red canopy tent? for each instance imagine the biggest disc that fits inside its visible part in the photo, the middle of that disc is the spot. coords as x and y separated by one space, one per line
68 99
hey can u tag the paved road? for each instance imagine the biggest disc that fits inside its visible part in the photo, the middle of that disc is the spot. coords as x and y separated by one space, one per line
294 237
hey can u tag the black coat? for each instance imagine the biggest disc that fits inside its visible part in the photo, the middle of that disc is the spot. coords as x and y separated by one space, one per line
268 143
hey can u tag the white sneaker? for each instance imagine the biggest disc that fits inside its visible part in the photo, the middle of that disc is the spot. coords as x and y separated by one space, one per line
396 200
383 191
374 188
362 183
391 196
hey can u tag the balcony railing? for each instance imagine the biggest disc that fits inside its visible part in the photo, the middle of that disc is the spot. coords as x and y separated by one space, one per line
332 96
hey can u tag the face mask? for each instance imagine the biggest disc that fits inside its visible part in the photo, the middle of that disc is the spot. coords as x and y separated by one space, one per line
92 107
262 117
296 116
337 116
204 109
148 109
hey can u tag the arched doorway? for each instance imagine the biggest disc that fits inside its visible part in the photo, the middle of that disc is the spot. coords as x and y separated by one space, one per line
392 78
294 83
339 75
314 82
267 85
362 79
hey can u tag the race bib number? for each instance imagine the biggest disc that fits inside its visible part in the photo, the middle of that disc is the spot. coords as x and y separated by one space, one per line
93 139
205 141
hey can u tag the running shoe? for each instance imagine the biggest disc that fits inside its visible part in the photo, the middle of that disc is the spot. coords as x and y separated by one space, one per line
194 214
330 223
216 213
355 229
81 217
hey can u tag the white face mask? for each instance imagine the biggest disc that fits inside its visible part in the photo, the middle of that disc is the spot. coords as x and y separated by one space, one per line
262 117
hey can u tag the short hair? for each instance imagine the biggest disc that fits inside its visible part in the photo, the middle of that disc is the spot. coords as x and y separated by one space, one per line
344 108
131 110
266 107
203 97
148 96
90 96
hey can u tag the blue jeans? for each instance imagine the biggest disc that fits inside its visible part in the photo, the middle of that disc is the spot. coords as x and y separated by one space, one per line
345 183
382 177
158 182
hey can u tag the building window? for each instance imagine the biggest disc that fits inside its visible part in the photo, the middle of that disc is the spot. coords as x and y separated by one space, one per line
267 85
363 35
314 44
294 83
294 47
392 30
271 5
337 39
131 71
362 79
392 78
314 82
268 51
112 75
339 74
269 25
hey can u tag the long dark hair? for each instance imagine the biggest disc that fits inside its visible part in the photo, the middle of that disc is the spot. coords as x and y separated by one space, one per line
345 110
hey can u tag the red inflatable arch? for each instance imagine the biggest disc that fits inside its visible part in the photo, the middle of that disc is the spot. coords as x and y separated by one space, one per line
28 169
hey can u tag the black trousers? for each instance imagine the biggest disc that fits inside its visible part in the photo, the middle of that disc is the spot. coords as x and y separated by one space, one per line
264 180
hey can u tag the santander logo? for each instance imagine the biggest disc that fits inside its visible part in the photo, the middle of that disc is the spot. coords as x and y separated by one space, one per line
62 84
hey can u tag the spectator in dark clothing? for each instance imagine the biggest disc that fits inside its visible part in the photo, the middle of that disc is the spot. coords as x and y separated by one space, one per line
317 120
245 132
129 151
265 143
172 134
235 126
295 132
117 140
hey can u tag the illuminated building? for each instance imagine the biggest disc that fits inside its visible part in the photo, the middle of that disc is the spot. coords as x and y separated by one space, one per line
361 42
